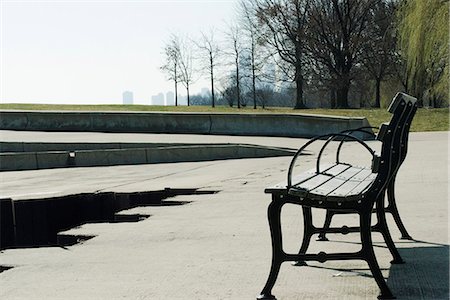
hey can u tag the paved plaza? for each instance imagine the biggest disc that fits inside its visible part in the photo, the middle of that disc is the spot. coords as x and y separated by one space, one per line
217 245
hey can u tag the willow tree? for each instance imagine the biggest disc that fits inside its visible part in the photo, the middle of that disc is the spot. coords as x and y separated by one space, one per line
424 38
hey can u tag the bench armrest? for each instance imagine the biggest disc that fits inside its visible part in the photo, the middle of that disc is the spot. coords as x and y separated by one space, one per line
330 137
350 131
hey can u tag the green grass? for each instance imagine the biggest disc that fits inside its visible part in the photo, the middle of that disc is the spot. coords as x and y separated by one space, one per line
425 119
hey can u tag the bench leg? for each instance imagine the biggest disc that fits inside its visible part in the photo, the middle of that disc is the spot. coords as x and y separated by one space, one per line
308 231
392 208
384 229
274 214
369 255
326 225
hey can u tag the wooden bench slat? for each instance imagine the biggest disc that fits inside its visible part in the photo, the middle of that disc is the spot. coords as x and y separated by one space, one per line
349 174
328 187
354 186
313 182
363 174
329 168
302 177
336 182
346 181
343 191
363 185
335 169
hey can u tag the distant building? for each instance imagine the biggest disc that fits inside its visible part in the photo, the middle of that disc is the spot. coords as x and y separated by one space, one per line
205 92
158 99
127 97
170 98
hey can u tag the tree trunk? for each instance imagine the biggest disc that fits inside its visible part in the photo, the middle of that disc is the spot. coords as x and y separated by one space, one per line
299 91
298 79
333 98
254 89
253 76
238 92
343 86
342 96
377 93
212 82
187 92
176 93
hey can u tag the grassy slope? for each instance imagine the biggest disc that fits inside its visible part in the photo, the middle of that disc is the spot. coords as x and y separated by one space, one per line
425 120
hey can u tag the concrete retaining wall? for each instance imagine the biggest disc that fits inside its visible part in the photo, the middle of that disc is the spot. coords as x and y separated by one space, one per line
109 157
68 146
286 125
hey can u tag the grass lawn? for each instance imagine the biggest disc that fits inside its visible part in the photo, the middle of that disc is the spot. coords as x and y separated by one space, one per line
425 119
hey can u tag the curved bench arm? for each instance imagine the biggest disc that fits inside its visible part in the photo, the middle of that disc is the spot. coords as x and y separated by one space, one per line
330 137
350 131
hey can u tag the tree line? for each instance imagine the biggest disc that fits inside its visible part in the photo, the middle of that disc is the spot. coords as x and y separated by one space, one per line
319 53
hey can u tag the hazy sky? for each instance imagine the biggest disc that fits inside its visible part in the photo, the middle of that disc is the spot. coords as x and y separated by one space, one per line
91 51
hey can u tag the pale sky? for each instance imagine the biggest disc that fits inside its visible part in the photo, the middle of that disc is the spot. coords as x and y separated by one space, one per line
89 52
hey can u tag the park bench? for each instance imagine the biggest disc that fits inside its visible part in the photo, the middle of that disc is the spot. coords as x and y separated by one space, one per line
344 188
391 203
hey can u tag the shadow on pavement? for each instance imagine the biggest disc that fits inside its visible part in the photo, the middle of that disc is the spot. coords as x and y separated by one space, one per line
425 275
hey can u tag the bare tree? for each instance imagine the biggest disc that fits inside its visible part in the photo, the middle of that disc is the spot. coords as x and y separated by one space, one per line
172 62
379 53
254 44
285 25
337 39
208 45
235 51
186 65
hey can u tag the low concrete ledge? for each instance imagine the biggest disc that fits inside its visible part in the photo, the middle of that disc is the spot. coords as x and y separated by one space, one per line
285 125
132 156
69 146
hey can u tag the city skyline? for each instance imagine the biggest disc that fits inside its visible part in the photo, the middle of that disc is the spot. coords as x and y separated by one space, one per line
161 98
164 98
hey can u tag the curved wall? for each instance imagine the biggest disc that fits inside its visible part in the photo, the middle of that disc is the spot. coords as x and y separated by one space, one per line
286 125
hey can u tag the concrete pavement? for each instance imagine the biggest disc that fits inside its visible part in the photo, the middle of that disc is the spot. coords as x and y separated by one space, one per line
217 246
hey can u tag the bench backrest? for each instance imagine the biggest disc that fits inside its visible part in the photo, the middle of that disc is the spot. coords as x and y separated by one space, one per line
394 138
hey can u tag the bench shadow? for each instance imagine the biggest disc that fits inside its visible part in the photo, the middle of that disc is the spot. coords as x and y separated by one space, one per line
424 276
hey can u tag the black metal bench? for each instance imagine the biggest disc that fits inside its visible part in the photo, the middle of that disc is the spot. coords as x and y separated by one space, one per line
391 202
344 188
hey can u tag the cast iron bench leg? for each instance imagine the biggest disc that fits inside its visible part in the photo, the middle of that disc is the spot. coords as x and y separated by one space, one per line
322 235
369 255
384 229
274 214
308 231
394 211
391 207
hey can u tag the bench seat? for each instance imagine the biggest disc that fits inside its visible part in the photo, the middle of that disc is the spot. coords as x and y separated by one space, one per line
337 182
